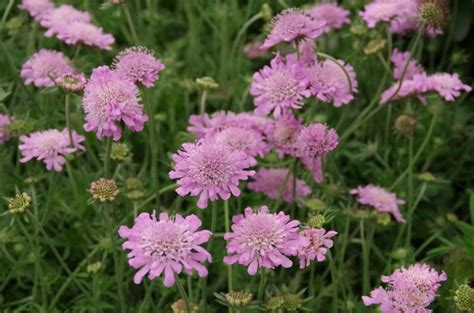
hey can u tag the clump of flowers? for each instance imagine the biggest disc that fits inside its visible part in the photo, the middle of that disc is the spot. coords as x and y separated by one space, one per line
104 190
50 146
19 203
319 243
380 199
5 135
410 289
334 16
108 99
271 182
43 67
167 245
139 65
72 82
263 239
247 140
210 170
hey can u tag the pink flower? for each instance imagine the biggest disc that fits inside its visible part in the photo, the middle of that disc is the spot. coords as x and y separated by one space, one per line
334 16
253 50
410 290
5 120
108 99
319 244
263 239
380 199
279 87
79 32
50 146
37 9
292 24
43 67
418 85
167 245
56 20
72 82
448 86
247 140
314 142
283 133
271 182
210 170
399 59
139 65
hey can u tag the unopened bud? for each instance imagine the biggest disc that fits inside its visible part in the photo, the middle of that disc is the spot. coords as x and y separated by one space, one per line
316 221
207 83
374 46
104 190
405 124
19 203
464 298
72 82
275 303
180 307
94 267
119 151
292 302
238 299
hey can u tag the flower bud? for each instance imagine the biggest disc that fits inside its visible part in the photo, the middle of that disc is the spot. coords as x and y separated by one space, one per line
426 177
292 302
119 151
275 303
267 12
400 254
72 82
133 183
405 124
94 267
180 307
207 83
464 298
316 221
104 190
374 46
19 203
316 205
238 299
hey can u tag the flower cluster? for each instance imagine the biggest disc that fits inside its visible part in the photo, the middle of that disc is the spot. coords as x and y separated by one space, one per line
319 243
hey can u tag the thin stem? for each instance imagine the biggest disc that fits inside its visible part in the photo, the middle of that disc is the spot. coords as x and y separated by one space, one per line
312 273
410 188
261 287
128 16
283 187
411 211
202 104
182 292
230 273
67 108
108 148
335 281
242 31
366 242
5 14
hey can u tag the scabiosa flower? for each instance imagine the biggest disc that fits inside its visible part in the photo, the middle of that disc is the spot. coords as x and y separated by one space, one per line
380 199
62 16
410 290
37 9
253 50
166 246
417 86
334 16
319 244
279 87
263 239
448 86
108 99
313 143
270 182
246 140
293 24
72 82
210 170
50 146
283 133
43 67
139 65
79 32
5 135
399 59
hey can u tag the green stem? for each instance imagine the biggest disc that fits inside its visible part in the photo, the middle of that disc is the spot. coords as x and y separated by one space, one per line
67 108
411 211
128 16
348 77
202 104
334 280
182 292
283 187
5 14
242 31
312 273
108 148
261 287
230 278
366 242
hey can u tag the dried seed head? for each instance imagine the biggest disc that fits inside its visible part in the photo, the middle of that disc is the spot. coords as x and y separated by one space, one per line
405 124
19 203
119 151
238 299
104 190
180 307
374 46
464 298
433 13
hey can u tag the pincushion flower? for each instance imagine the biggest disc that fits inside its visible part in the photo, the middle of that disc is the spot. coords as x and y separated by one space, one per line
417 86
37 9
410 290
139 65
211 170
43 67
278 88
5 120
272 181
253 49
399 59
108 99
79 32
62 16
50 146
333 15
380 199
319 243
263 240
246 140
293 24
167 245
448 86
283 133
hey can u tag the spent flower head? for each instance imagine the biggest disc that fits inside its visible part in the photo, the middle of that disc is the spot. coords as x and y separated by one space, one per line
104 190
238 299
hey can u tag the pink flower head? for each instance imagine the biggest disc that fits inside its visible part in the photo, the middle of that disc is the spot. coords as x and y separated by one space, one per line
293 24
380 199
448 86
334 16
37 9
410 290
399 59
329 83
5 120
50 146
72 82
108 99
319 244
418 85
283 133
56 20
211 170
263 239
247 140
270 182
279 87
43 67
167 245
79 32
139 65
253 50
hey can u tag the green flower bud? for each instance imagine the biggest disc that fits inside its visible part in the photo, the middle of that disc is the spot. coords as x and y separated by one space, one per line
464 298
19 203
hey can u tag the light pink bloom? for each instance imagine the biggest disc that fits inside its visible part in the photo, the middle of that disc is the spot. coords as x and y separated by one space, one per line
253 50
270 182
410 290
50 146
37 9
278 88
247 140
292 24
166 246
418 85
210 170
283 133
5 120
334 16
56 20
79 32
263 239
399 59
108 99
380 199
139 65
43 67
314 142
448 86
319 244
72 82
